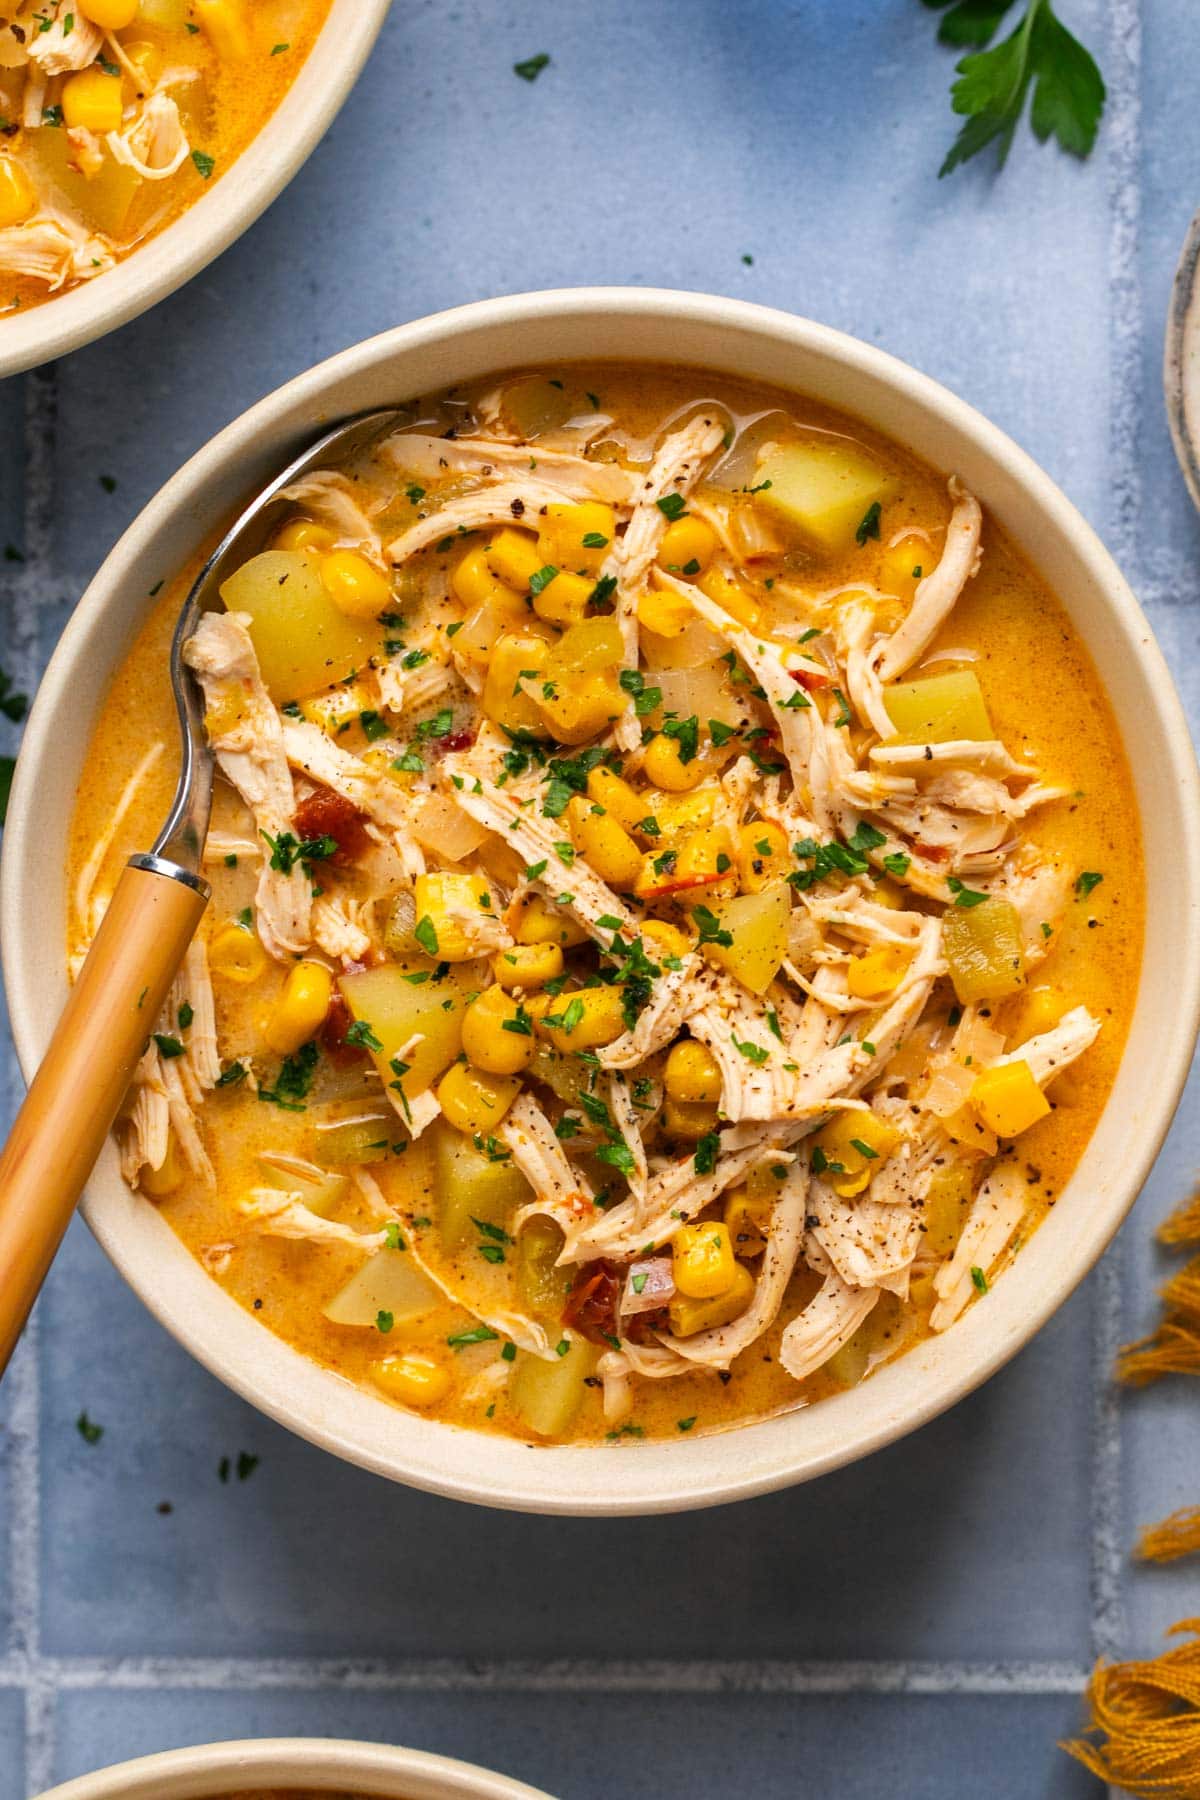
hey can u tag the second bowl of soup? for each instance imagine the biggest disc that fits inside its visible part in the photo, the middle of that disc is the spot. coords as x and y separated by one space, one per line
669 967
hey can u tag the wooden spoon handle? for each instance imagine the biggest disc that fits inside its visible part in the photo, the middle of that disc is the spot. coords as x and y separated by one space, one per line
76 1093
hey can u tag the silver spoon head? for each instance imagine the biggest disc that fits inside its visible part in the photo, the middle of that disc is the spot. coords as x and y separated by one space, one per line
181 840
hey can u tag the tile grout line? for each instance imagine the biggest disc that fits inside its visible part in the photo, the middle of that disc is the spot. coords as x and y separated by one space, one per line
1123 124
41 420
533 1675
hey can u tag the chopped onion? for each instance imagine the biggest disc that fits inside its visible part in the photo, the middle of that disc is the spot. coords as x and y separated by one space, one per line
651 1283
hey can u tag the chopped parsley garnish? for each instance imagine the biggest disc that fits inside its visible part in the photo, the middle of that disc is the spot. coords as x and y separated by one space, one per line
979 1279
645 699
477 1334
168 1046
384 1320
541 578
361 1033
897 863
89 1431
1086 882
532 66
426 935
705 1159
869 524
672 506
293 1081
964 896
288 850
204 162
686 735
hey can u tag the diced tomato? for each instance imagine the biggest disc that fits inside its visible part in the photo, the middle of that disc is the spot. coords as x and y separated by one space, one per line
592 1306
811 678
932 852
454 741
333 1033
326 814
671 885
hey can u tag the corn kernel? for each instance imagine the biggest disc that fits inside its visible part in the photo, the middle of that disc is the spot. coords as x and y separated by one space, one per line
167 1177
92 101
663 765
662 940
1008 1099
688 1119
303 534
147 60
235 954
475 582
300 1010
855 1146
446 903
688 546
564 600
704 856
577 713
677 814
413 1379
688 1316
226 25
18 199
605 844
763 855
563 535
616 797
586 1019
731 598
518 656
513 558
747 1219
338 709
664 612
109 15
692 1073
527 966
539 922
904 563
355 586
474 1101
496 1035
702 1260
878 973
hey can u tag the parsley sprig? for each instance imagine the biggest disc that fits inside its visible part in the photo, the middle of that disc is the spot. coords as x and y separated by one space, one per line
993 83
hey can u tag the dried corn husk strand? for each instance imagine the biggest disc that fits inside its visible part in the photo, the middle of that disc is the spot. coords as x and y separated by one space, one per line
1174 1349
1183 1225
1147 1718
1175 1536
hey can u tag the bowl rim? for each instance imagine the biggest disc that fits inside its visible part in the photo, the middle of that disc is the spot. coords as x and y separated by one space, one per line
570 1479
386 1770
172 257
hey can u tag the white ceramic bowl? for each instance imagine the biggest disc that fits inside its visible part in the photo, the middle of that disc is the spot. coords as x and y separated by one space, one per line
322 1764
67 321
740 340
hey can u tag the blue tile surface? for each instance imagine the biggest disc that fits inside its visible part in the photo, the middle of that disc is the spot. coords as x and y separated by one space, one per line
775 1747
661 146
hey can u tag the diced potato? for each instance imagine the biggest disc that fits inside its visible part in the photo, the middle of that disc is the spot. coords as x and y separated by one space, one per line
163 15
939 709
542 1285
303 643
469 1184
984 949
586 649
758 925
366 1138
107 201
320 1190
397 1009
848 1364
821 490
547 1393
388 1282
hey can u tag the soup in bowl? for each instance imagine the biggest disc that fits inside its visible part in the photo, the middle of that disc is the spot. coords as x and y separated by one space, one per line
118 117
668 971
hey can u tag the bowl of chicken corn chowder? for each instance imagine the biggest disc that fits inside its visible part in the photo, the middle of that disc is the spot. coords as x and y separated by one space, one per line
141 137
294 1769
680 1006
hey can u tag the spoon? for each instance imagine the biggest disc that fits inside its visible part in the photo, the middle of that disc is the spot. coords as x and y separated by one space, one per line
151 919
1181 361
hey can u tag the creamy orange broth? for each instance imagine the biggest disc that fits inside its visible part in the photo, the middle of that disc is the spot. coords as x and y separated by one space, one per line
1046 705
222 65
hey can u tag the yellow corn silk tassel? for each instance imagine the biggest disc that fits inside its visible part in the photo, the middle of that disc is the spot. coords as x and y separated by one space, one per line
1183 1225
1146 1717
1174 1349
1175 1536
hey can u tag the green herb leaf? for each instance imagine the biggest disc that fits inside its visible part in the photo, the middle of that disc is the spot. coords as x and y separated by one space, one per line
531 68
1086 882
